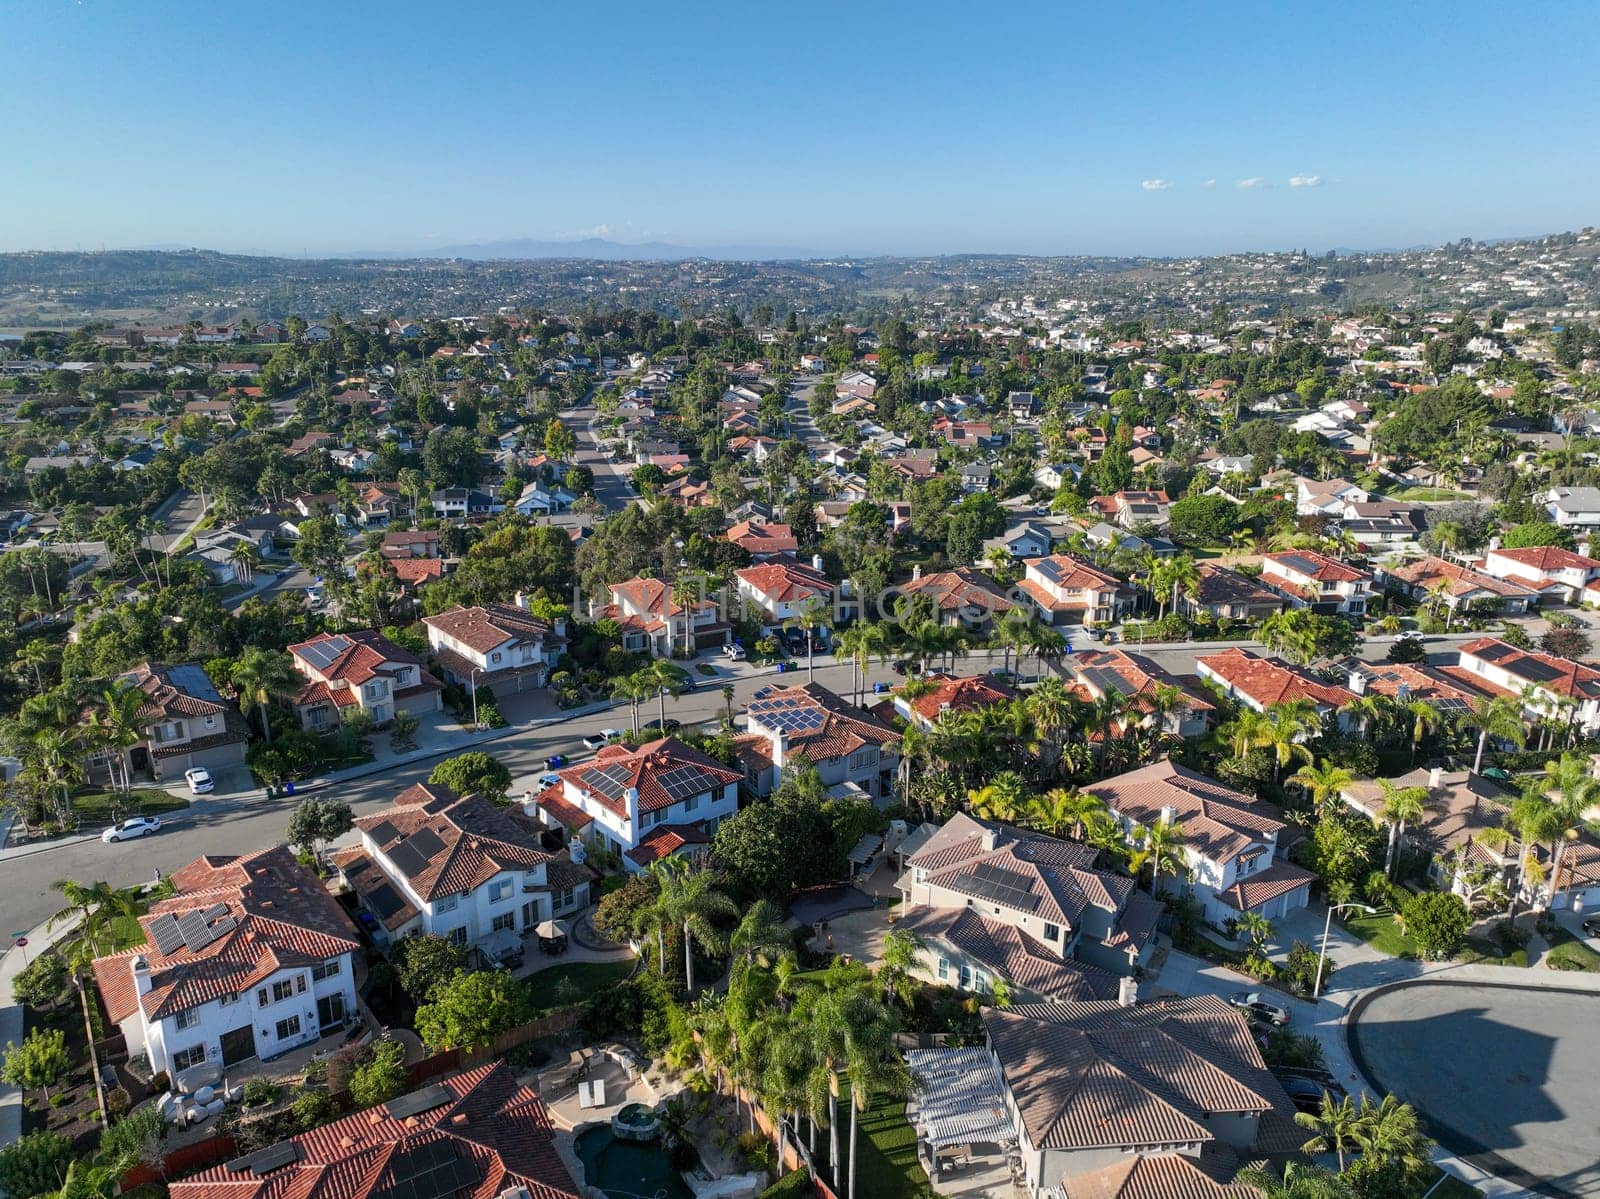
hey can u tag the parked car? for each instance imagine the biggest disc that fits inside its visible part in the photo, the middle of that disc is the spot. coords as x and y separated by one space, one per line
134 826
1252 1005
660 728
881 688
596 740
199 780
734 652
549 780
1306 1093
1591 927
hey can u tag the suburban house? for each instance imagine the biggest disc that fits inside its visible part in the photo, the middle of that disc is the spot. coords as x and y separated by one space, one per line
410 543
994 902
1460 588
1230 842
1134 508
776 591
962 596
850 748
1228 595
536 499
1117 1099
1067 591
950 694
762 540
1316 581
1326 497
1383 522
642 804
1576 508
653 622
1028 540
496 645
186 724
1546 686
360 672
463 502
250 958
478 1133
1259 682
1180 706
461 868
1552 572
1406 682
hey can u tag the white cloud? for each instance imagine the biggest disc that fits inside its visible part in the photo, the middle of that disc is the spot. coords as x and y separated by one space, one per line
1209 183
1306 181
1156 185
1250 184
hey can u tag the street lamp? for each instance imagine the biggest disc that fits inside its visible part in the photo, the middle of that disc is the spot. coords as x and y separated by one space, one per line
473 680
1327 925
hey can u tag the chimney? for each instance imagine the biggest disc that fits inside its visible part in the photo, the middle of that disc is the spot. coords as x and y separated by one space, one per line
630 800
141 975
520 600
1403 693
1358 682
816 563
991 840
916 572
1583 548
1435 777
780 748
1127 992
1169 815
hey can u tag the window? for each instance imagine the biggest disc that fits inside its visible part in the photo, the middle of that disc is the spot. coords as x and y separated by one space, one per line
300 984
288 1028
187 1018
495 657
457 936
499 889
262 998
192 1056
1052 932
328 969
446 904
402 676
282 989
563 899
691 803
231 997
504 922
944 968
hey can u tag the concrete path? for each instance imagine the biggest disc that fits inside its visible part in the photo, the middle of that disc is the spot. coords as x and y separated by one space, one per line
12 963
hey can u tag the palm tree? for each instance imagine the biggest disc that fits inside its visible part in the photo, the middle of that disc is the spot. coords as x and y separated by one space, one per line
899 959
655 917
1323 782
727 704
119 726
1370 711
1287 724
52 762
1389 1131
1500 718
862 642
1062 809
872 1068
1296 1182
1424 719
35 655
692 898
664 678
259 677
98 907
1159 846
1052 709
1256 928
1002 798
1249 730
635 688
685 594
245 557
761 936
1401 806
810 616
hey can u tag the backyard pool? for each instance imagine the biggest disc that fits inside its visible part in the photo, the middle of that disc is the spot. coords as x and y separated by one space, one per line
636 1122
628 1169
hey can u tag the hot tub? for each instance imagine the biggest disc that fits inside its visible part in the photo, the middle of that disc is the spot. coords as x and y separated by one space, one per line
636 1122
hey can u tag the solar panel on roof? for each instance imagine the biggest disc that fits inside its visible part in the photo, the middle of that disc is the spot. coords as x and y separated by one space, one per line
416 1102
383 832
214 911
196 932
384 901
610 781
322 653
168 936
428 1171
682 781
1002 885
1540 672
407 860
264 1161
426 842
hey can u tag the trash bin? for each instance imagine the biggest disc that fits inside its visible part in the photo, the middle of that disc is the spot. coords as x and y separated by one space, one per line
288 787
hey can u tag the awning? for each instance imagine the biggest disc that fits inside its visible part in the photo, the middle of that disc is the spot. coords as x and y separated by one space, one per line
550 930
865 848
960 1097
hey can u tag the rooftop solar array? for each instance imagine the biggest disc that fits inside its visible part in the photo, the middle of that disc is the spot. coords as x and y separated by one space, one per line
320 655
412 855
682 781
429 1171
610 781
1534 669
1107 681
789 715
416 1102
1003 886
265 1161
383 832
169 937
384 901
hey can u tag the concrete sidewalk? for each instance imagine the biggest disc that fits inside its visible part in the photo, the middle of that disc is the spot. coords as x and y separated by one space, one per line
12 963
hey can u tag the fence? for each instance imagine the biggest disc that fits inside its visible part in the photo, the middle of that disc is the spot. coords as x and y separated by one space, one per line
182 1161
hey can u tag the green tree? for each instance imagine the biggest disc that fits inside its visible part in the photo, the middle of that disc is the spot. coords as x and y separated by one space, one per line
316 822
424 963
471 1010
1296 1182
810 616
43 981
560 443
1334 1126
1400 806
39 1063
381 1077
1536 533
1160 847
474 773
1437 921
1204 519
261 676
35 1165
696 906
1500 718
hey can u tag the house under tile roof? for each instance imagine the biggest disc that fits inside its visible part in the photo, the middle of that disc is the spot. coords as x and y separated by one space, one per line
1268 681
476 1135
1217 821
663 773
958 694
760 538
962 587
490 626
818 723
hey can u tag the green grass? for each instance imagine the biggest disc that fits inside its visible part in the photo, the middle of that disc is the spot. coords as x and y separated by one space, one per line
1384 934
1448 1186
1569 953
1428 494
97 807
889 1168
1484 951
586 977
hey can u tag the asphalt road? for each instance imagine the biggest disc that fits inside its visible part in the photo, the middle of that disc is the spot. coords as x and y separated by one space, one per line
1504 1075
611 486
178 519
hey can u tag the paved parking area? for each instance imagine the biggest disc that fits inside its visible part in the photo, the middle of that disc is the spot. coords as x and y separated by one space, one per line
1504 1074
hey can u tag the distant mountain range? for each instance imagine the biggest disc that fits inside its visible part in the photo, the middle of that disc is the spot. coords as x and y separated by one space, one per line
599 249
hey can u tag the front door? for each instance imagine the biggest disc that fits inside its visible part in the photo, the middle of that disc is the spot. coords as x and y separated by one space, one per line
330 1010
238 1045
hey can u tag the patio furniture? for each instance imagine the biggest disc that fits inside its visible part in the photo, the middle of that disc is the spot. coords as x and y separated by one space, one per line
553 936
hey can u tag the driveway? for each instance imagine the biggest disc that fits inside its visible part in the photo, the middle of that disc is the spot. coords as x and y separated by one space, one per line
1505 1075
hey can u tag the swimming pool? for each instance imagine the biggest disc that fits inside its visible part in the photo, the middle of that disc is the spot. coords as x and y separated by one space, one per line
628 1169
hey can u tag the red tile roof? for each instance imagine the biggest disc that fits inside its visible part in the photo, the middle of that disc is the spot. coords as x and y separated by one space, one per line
836 728
1267 681
496 1128
1139 676
1280 878
665 840
1548 558
963 587
761 538
1314 565
489 626
1218 822
616 769
786 582
958 694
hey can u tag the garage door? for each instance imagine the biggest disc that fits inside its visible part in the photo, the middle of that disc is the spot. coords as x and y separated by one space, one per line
238 1045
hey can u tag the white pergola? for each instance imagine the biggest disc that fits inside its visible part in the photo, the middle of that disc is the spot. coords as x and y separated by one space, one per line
960 1098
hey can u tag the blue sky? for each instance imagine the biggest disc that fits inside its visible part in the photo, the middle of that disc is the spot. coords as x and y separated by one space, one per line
873 127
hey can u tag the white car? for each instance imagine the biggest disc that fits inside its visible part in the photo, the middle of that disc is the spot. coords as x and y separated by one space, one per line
735 652
199 780
134 826
601 739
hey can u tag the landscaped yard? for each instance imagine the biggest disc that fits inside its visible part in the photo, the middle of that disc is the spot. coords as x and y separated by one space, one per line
1383 933
1427 494
1567 952
585 978
1448 1186
889 1166
96 809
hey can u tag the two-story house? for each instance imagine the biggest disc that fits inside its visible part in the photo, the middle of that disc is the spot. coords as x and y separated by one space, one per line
1067 591
186 724
250 958
1460 588
848 747
1228 595
1258 683
776 591
949 694
762 539
1135 508
1576 508
495 645
1547 687
361 671
461 868
993 902
960 596
653 620
1156 697
1326 497
1316 581
642 804
1550 571
463 503
1230 842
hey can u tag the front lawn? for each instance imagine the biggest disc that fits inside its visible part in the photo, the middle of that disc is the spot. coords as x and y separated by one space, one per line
888 1147
104 808
1427 495
586 978
1383 933
1567 952
1448 1186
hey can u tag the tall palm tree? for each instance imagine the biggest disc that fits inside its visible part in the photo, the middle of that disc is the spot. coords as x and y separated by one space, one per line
664 678
685 594
35 655
1401 806
1370 711
1287 726
1335 1127
1062 810
872 1068
1160 847
1052 709
259 677
696 905
1323 782
1002 798
635 688
1296 1182
98 906
761 936
245 557
1424 719
1390 1131
1500 718
1249 730
810 616
52 761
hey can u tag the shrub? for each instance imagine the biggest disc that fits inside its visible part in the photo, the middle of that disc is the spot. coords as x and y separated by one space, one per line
43 981
381 1077
35 1165
1437 922
160 1081
1299 1050
259 1092
313 1109
118 1101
